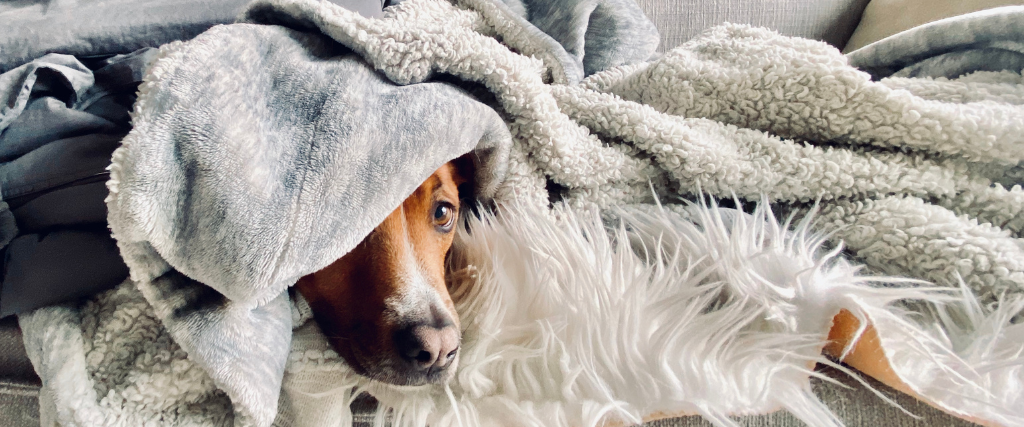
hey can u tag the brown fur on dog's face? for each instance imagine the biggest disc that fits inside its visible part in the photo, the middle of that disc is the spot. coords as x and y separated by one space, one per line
384 306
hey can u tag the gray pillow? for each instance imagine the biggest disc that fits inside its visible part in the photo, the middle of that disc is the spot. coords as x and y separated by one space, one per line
832 21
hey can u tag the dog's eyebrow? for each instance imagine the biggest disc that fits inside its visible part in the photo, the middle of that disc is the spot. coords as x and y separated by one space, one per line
437 186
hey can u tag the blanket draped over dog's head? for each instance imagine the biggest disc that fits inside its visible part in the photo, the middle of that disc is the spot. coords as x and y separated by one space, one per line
264 150
236 181
261 153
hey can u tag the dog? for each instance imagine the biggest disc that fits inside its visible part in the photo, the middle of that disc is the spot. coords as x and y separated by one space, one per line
384 306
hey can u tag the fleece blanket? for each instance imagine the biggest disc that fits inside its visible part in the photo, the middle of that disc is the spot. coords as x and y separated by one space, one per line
249 166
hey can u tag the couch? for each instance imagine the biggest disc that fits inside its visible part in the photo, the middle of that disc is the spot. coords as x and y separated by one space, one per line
832 21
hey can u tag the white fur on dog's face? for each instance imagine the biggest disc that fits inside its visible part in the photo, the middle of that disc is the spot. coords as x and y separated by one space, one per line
390 291
417 295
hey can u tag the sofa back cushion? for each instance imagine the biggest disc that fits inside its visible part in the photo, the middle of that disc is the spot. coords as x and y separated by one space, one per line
831 21
883 18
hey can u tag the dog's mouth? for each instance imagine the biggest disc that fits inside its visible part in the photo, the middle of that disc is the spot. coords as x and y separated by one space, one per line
367 357
396 378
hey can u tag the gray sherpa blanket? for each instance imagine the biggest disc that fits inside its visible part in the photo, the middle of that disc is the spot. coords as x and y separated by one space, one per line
262 151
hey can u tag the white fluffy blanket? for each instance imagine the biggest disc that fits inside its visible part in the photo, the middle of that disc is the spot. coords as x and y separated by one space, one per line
667 310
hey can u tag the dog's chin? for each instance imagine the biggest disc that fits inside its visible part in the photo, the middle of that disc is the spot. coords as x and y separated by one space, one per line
398 380
382 371
406 384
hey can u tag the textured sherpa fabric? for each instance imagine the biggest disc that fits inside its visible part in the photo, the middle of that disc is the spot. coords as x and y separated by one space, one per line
594 35
600 34
737 111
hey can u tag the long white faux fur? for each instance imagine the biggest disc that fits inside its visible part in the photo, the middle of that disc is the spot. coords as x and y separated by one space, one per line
574 321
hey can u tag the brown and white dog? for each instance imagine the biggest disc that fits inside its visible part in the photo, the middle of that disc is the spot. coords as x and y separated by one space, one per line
385 306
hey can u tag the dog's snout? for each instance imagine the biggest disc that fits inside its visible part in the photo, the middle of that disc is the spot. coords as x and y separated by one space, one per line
428 348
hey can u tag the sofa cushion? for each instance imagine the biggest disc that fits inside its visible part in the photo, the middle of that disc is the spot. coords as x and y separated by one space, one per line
883 18
19 384
831 21
14 364
19 405
854 405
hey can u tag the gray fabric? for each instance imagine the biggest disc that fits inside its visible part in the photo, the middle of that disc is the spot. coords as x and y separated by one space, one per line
600 33
33 28
269 173
831 21
988 40
566 68
58 128
13 84
8 225
582 37
19 385
15 366
67 160
61 120
77 205
54 267
19 405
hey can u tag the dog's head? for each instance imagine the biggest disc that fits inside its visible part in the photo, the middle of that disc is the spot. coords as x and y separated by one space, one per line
384 306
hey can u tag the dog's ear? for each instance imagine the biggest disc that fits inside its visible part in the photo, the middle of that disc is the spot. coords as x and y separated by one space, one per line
464 168
465 172
465 180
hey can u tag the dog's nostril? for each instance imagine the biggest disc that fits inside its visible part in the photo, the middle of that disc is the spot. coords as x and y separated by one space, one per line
424 357
451 354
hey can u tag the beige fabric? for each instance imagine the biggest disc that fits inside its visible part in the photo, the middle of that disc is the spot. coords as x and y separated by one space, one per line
678 21
883 18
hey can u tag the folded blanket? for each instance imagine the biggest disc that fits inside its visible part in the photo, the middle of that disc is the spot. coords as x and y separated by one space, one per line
238 178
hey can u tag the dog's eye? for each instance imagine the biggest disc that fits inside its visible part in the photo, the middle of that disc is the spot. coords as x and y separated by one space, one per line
444 215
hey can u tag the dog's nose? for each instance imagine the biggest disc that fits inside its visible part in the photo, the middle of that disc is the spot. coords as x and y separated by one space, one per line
429 349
